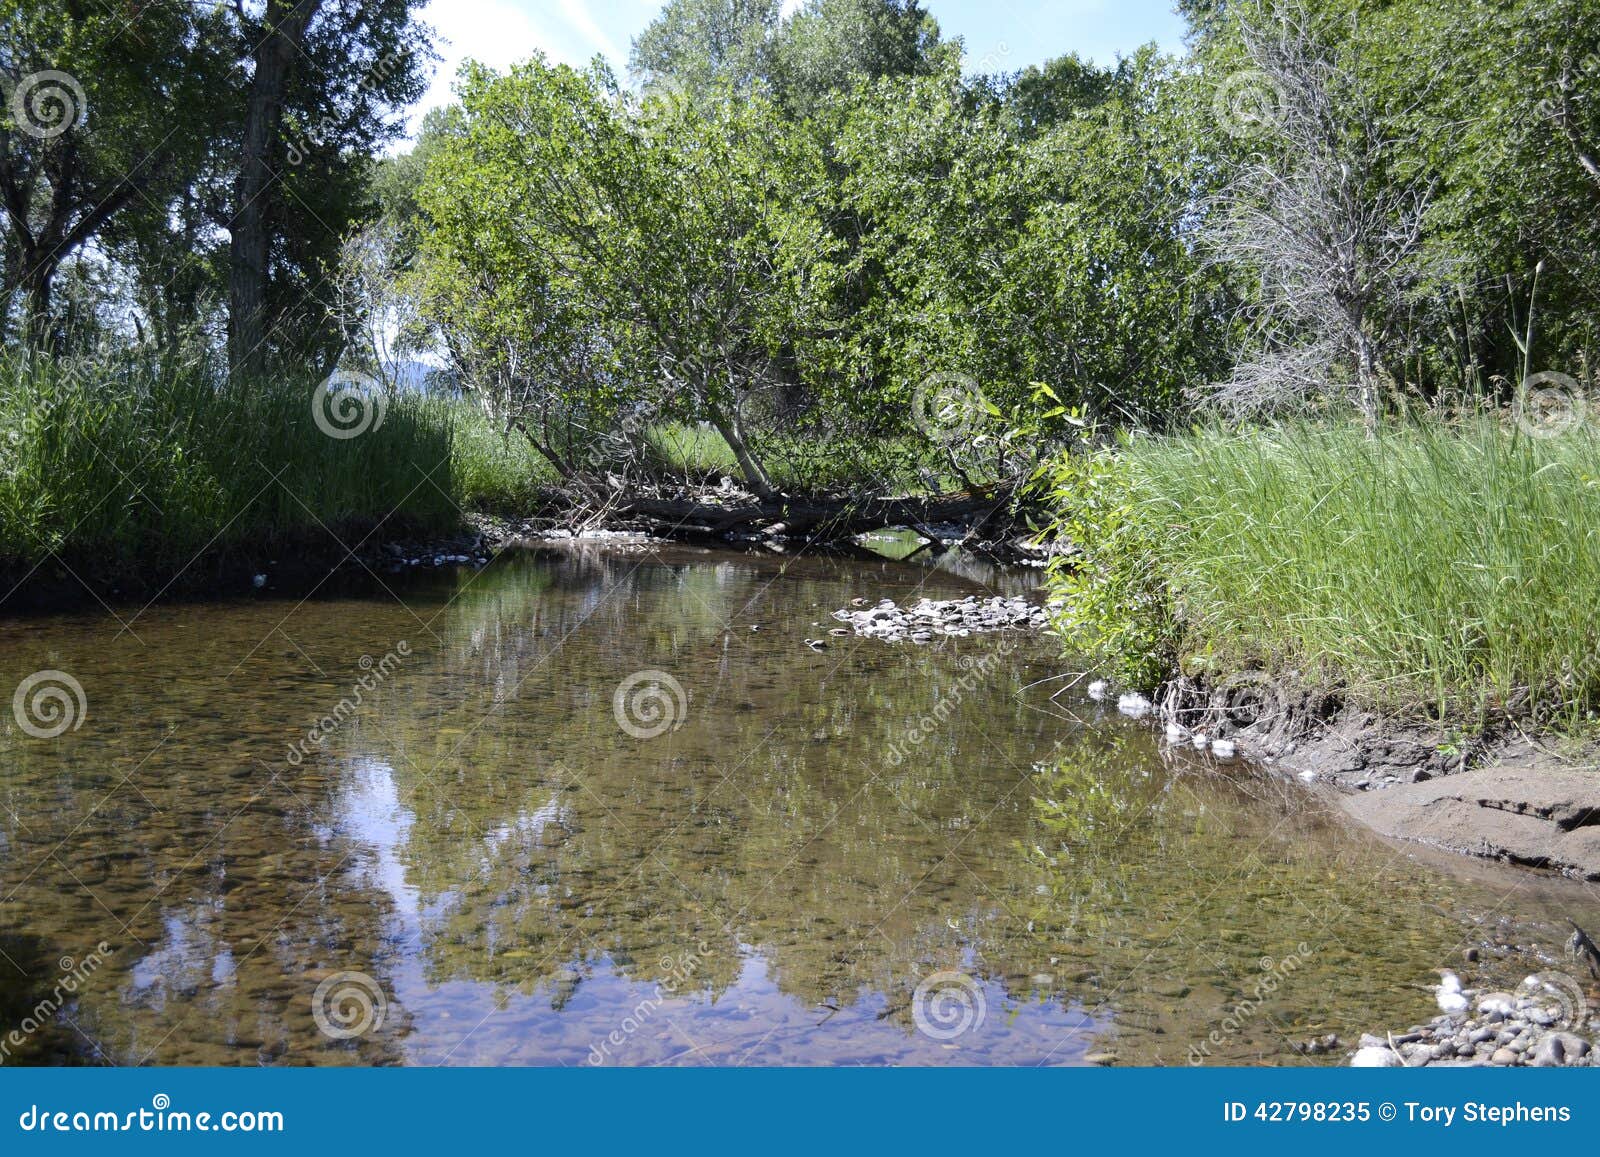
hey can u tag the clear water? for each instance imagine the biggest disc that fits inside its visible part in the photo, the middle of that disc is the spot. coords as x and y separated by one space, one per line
481 853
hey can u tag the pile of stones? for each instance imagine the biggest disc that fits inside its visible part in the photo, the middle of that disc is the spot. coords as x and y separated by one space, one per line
926 620
1532 1026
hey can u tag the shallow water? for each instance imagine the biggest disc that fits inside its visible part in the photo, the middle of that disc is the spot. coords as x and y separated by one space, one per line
478 864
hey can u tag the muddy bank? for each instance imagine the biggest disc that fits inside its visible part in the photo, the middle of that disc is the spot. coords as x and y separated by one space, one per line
1498 797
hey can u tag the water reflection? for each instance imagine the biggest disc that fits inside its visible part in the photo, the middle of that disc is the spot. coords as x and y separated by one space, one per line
524 882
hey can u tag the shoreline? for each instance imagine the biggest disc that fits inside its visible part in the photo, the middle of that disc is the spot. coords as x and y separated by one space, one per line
1505 797
1498 797
310 557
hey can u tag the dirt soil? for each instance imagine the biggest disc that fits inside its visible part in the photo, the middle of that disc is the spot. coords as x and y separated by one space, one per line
1505 798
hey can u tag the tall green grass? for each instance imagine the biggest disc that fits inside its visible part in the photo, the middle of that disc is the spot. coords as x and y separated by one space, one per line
133 465
493 472
1446 568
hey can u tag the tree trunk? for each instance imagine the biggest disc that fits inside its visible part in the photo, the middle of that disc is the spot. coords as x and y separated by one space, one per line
285 25
36 281
732 431
1367 382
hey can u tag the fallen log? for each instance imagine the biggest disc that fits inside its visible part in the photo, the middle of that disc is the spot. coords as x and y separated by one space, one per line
812 519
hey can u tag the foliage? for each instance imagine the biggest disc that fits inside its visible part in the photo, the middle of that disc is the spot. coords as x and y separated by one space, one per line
130 463
208 153
1113 600
1449 567
588 255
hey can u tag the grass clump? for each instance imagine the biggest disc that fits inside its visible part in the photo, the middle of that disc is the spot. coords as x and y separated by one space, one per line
1446 568
133 465
495 472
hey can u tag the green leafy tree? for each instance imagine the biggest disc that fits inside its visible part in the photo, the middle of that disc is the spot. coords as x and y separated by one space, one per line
695 45
830 46
97 122
585 251
322 89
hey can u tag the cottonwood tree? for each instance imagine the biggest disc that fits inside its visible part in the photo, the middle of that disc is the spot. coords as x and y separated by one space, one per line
320 88
99 119
700 44
1505 101
830 46
1318 212
586 249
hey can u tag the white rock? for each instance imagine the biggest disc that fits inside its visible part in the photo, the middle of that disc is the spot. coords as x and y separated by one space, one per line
1224 749
1177 733
1201 741
1134 706
1098 690
1375 1057
1497 1002
1449 994
259 581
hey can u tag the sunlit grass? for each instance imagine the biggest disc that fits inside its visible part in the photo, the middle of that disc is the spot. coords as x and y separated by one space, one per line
1448 567
133 464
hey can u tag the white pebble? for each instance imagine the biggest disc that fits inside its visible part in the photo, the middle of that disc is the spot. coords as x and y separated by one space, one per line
1097 690
1375 1057
1223 749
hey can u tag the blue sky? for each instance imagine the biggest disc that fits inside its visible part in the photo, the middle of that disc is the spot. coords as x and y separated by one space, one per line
1000 35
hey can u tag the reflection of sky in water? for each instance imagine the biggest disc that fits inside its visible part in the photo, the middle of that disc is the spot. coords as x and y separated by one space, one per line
612 1021
605 1017
510 867
369 810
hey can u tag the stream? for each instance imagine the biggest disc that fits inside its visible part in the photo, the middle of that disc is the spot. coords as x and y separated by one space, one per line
410 821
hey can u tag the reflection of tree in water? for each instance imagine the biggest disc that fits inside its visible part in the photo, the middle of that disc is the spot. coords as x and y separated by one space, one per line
35 1007
771 821
1170 897
483 820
